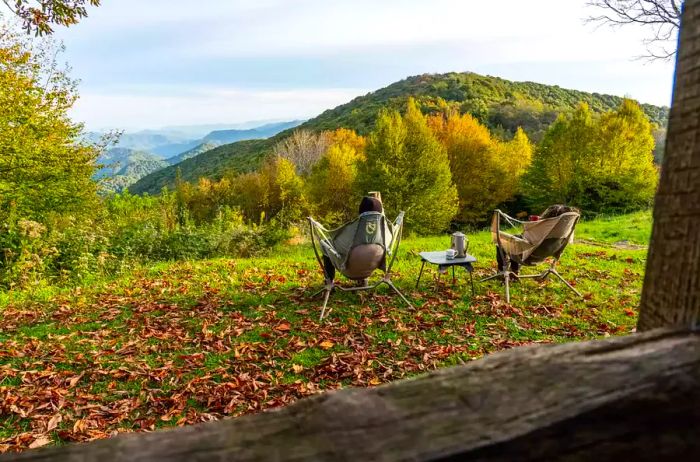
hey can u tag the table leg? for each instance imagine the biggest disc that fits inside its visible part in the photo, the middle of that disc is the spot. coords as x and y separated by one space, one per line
420 274
471 278
454 281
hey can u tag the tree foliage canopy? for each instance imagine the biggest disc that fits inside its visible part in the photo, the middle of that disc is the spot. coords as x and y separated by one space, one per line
486 170
600 163
39 15
410 166
44 165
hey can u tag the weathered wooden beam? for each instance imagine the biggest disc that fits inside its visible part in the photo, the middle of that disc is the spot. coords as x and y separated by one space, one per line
671 294
622 398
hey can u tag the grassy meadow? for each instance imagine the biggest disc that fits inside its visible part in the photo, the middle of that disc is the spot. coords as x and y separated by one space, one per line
184 342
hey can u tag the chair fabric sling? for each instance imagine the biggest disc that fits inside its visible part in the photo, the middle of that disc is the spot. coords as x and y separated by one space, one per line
539 240
357 249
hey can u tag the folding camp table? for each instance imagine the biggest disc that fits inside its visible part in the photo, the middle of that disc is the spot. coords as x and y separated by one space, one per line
443 263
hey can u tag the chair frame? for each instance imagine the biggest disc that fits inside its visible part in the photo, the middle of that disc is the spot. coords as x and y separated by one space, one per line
506 274
330 285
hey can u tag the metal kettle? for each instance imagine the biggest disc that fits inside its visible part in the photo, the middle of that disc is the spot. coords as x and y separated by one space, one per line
459 244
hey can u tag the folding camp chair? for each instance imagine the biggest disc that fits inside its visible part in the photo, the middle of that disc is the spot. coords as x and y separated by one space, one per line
540 239
357 249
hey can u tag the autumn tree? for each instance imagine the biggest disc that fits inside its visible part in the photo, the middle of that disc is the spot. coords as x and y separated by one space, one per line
485 170
274 191
598 164
407 163
332 181
44 165
38 16
303 148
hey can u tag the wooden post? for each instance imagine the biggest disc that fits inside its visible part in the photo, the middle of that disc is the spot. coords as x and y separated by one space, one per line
671 294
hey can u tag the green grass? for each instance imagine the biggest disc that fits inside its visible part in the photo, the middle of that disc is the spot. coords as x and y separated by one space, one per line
634 228
178 343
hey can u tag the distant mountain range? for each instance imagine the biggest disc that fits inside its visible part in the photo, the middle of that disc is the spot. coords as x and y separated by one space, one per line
500 104
141 153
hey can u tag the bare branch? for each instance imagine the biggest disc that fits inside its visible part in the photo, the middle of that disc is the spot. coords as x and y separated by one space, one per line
661 16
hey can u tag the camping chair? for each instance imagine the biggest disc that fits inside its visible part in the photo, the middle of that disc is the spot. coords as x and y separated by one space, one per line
357 249
540 240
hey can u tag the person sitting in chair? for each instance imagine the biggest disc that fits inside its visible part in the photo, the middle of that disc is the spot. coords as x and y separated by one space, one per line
551 212
367 204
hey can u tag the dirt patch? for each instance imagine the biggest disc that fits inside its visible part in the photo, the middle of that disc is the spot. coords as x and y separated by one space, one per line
621 245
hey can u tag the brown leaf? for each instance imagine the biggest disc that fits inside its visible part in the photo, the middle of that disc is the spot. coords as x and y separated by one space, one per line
297 368
39 442
326 344
284 327
74 380
53 422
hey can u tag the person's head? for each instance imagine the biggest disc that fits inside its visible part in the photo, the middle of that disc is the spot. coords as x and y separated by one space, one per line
370 204
556 210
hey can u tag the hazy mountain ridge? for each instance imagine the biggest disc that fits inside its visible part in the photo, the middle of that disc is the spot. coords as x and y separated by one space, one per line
136 156
500 104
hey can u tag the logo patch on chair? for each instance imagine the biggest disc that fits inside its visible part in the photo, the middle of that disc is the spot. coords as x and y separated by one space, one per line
371 227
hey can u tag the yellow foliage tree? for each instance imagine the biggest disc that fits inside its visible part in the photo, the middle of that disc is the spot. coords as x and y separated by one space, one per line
332 180
485 170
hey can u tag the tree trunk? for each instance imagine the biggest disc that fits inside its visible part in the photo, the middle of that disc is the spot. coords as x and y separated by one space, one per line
671 294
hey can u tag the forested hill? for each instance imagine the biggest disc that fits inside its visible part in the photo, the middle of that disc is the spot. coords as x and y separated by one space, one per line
501 104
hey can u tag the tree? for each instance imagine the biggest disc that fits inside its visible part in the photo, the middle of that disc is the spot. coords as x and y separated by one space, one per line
597 164
670 296
38 16
44 166
663 17
407 163
274 191
303 148
486 171
332 180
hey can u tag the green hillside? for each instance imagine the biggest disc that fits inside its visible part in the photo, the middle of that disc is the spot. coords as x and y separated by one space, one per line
501 104
120 167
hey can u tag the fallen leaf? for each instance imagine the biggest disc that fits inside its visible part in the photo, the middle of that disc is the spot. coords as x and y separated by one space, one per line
326 344
53 422
74 380
297 368
284 327
39 442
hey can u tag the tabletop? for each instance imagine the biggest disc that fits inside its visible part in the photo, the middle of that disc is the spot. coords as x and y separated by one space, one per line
439 258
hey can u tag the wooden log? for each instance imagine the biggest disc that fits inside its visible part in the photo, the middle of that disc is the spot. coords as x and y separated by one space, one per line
622 398
671 294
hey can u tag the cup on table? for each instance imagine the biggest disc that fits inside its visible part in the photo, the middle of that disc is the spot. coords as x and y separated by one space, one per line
450 254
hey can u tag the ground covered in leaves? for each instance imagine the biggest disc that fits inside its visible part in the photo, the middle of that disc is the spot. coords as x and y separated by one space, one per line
187 342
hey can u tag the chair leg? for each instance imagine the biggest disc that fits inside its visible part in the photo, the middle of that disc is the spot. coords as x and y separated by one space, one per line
556 273
328 290
506 278
494 276
391 284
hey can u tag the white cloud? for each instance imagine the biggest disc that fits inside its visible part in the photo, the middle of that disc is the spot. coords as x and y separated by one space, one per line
293 44
141 108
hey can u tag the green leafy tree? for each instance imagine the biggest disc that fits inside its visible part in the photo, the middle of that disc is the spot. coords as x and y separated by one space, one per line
44 165
598 164
407 163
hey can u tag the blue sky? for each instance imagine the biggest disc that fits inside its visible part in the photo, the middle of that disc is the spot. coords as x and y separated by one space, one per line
147 64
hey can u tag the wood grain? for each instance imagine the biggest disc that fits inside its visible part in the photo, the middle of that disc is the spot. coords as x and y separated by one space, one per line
671 294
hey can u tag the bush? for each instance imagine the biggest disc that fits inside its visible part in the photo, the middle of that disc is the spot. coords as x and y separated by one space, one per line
128 230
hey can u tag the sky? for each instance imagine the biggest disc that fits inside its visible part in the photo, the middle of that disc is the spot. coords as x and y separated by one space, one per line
149 64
